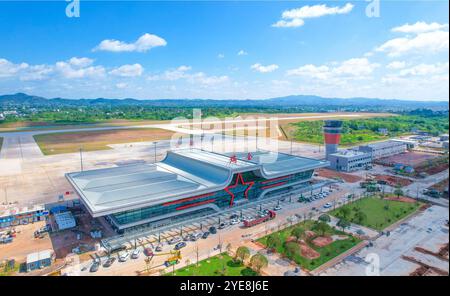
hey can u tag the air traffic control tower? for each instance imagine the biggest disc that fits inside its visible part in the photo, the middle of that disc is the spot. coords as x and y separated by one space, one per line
332 130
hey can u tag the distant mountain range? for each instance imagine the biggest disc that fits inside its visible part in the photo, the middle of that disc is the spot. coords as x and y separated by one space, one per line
288 101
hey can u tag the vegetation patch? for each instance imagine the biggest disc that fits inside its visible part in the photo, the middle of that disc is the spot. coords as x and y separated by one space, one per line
376 212
219 265
57 143
356 131
309 243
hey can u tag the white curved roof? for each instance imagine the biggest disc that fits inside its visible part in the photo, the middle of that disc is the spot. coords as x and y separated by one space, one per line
183 173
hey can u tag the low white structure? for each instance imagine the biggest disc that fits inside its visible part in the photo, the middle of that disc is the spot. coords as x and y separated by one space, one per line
349 160
383 149
65 220
39 260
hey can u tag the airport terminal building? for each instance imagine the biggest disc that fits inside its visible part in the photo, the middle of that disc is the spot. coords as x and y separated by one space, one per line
188 183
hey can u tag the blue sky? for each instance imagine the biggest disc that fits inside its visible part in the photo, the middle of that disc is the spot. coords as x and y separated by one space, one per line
225 50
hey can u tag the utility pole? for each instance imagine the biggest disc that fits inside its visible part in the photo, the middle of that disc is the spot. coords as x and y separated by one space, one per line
81 158
6 196
154 154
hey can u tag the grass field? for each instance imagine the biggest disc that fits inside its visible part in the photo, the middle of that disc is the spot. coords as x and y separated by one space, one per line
218 265
365 128
379 213
57 143
327 253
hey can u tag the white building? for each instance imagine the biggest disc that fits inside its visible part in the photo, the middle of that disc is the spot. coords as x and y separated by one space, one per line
383 149
350 160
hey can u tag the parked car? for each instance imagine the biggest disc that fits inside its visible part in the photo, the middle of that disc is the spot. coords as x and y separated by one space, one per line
158 248
135 254
223 225
123 256
212 230
94 267
327 205
196 236
180 245
205 235
277 208
234 216
109 262
234 221
175 240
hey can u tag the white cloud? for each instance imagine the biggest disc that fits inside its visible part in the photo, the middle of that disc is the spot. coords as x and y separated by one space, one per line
128 70
353 68
426 69
36 72
264 69
206 80
419 27
143 44
67 70
121 85
395 65
428 42
182 72
81 62
242 53
8 69
295 17
220 56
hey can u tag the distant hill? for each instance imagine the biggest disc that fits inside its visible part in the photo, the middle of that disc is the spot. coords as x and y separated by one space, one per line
288 101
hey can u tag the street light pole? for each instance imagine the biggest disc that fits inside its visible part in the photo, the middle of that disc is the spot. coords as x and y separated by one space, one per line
154 154
81 158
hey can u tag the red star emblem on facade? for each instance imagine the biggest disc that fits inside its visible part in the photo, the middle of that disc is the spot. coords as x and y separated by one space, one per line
239 180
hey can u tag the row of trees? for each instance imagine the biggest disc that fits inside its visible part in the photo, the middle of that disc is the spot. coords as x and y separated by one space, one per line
257 261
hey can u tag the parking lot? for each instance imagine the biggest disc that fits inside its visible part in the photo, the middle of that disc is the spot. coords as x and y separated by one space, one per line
229 227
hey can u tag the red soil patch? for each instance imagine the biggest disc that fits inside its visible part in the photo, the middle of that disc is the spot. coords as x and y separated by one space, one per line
433 169
308 252
322 241
309 233
393 180
408 158
401 198
349 178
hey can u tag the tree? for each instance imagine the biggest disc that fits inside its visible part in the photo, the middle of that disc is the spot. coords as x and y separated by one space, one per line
242 253
325 218
398 191
228 248
343 224
345 212
273 241
258 261
321 227
360 217
292 249
298 232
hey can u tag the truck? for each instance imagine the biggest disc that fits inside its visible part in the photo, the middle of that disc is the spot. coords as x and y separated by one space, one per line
269 216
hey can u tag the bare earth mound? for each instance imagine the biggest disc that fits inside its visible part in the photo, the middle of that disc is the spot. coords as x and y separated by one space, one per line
322 241
308 252
401 198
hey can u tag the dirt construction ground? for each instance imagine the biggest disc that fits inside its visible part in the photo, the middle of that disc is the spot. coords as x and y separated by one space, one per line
57 143
408 158
326 173
393 180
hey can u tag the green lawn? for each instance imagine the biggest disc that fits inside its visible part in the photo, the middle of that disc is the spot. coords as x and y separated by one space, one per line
218 265
379 213
326 253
